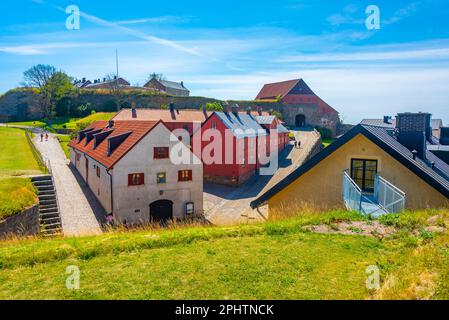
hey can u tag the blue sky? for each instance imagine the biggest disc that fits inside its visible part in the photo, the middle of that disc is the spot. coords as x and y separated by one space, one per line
229 49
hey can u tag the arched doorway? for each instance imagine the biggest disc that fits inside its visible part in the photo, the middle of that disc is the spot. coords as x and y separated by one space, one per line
300 120
161 211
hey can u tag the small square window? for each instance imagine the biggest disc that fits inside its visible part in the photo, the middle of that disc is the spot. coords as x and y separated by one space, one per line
161 178
161 152
136 179
184 175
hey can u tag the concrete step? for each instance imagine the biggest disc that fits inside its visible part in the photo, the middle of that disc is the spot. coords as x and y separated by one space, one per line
50 220
49 210
49 215
46 197
53 225
47 206
45 192
41 178
47 202
45 188
43 183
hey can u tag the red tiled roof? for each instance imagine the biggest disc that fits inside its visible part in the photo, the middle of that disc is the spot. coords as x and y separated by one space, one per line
273 90
181 115
323 107
138 129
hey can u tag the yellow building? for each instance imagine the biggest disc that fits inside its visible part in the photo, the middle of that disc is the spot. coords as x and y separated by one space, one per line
368 170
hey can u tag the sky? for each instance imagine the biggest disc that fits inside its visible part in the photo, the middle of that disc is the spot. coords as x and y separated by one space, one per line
229 49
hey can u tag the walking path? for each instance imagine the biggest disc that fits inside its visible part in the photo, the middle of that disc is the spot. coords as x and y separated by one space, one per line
80 212
226 205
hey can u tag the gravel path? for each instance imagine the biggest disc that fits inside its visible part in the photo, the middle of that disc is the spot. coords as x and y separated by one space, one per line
80 212
226 205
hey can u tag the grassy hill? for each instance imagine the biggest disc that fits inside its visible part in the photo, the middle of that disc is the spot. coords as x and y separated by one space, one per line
275 260
16 159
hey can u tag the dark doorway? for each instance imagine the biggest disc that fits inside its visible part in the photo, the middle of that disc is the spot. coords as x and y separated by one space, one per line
363 172
161 211
300 120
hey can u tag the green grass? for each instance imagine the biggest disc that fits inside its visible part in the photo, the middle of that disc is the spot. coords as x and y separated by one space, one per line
66 122
327 142
64 140
16 194
275 260
16 157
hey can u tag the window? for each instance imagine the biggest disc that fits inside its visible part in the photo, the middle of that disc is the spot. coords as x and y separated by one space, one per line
161 152
214 125
185 175
136 179
98 171
78 157
161 178
363 172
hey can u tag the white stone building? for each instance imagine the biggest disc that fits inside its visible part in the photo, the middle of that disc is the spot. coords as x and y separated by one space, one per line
131 168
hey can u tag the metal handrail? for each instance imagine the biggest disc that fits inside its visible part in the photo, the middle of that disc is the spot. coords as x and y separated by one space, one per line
389 199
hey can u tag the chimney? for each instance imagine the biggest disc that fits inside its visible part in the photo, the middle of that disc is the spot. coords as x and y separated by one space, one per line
432 165
110 123
413 131
133 110
115 77
204 110
104 79
387 119
84 80
226 107
444 136
235 109
172 110
95 81
182 83
248 111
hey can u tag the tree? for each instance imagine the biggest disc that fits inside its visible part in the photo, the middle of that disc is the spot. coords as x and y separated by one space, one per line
38 75
58 86
157 76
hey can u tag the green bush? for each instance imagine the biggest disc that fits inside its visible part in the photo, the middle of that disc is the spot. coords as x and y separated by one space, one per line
214 106
324 132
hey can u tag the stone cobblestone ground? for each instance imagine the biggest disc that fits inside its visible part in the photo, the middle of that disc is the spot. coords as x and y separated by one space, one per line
81 214
225 205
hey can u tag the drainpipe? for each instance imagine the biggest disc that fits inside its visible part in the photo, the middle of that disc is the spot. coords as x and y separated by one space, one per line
112 191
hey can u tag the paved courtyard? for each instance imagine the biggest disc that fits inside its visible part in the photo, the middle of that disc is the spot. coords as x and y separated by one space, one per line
225 205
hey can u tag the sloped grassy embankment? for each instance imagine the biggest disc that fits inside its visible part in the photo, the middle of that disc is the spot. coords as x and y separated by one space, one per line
275 260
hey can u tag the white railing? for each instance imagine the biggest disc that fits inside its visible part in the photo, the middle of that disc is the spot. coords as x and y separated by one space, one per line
387 195
352 194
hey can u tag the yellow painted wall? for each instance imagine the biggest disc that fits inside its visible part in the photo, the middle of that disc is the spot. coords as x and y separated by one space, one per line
320 187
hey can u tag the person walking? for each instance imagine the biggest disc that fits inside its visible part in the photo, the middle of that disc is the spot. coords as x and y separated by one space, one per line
42 137
46 136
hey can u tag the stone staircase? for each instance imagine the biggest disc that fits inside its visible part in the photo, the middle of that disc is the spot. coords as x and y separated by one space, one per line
50 219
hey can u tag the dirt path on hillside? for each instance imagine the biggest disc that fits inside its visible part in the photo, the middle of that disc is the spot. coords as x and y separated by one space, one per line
225 205
80 211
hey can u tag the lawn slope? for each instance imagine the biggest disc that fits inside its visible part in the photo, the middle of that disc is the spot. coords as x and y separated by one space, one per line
276 260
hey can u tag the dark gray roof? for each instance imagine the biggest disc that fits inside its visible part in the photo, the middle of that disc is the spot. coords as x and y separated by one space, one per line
265 119
242 124
438 177
379 123
173 85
